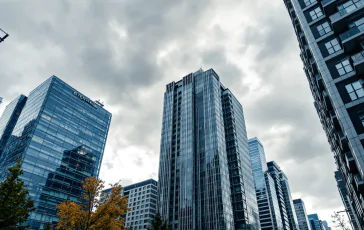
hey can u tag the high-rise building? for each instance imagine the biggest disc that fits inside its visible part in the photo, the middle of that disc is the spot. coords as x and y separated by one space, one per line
301 213
344 196
283 191
142 202
9 118
329 33
268 204
325 224
315 222
291 212
60 136
205 176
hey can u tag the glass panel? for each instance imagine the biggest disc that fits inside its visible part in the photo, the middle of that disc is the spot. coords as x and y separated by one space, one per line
349 88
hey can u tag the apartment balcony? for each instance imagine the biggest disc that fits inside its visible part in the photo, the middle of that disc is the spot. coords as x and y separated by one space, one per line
350 162
343 141
359 183
351 39
334 120
358 61
329 7
320 81
340 19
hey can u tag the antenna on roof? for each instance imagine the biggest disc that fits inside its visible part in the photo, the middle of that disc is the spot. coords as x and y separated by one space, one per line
99 103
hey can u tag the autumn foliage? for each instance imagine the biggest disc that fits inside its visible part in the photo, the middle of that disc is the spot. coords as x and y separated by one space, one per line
94 212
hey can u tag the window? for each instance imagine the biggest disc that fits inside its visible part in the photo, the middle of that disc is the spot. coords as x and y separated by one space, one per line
324 28
316 13
344 67
309 2
350 5
333 46
361 117
355 89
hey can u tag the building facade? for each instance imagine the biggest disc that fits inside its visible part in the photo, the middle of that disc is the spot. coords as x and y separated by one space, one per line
142 202
325 225
291 212
205 176
288 214
315 222
268 204
9 118
301 213
60 136
344 196
331 42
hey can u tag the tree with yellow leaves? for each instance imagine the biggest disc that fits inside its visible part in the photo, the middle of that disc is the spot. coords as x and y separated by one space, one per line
94 211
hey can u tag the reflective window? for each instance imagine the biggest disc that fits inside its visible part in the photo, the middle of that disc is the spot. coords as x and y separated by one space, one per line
324 28
344 67
332 46
316 13
350 5
355 89
309 2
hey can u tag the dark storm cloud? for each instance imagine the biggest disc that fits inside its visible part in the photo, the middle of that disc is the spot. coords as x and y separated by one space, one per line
125 52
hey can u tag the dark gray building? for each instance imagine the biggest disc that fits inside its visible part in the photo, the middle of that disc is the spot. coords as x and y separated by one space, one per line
301 213
205 176
330 35
268 204
344 196
288 214
60 135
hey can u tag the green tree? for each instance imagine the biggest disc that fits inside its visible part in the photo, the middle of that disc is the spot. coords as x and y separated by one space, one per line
159 224
15 205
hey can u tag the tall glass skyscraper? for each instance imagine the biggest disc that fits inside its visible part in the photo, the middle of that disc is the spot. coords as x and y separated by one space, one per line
301 213
205 176
60 136
269 212
288 214
315 222
330 35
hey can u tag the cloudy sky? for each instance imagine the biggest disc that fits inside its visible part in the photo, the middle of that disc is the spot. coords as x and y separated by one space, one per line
124 52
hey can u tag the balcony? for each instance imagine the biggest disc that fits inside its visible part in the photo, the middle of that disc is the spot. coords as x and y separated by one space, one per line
350 162
359 182
341 18
327 2
320 81
351 38
358 61
334 120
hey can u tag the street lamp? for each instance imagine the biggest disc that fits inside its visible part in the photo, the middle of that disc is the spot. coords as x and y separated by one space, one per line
2 37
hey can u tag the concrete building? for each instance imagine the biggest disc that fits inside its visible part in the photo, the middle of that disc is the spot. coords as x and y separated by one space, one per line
330 35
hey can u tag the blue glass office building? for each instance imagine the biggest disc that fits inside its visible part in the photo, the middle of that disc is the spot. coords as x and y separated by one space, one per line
269 213
301 213
60 136
205 176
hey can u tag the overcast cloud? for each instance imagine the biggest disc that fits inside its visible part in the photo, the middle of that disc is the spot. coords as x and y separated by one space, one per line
124 52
